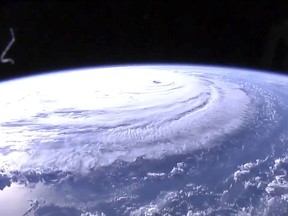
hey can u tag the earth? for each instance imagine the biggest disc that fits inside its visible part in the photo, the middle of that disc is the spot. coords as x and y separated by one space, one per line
144 140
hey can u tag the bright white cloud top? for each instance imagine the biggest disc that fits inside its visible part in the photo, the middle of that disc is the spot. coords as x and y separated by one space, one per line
120 112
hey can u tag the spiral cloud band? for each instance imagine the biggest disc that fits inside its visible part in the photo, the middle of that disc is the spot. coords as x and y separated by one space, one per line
82 119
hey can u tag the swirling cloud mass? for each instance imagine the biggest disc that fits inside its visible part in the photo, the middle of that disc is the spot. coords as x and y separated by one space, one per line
121 113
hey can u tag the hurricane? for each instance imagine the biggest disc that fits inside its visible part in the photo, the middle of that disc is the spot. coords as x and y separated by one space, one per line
145 140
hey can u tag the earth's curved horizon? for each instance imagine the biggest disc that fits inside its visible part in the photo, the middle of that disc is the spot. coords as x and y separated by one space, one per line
158 139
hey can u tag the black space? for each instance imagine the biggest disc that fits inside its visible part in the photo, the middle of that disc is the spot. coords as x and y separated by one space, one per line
62 35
